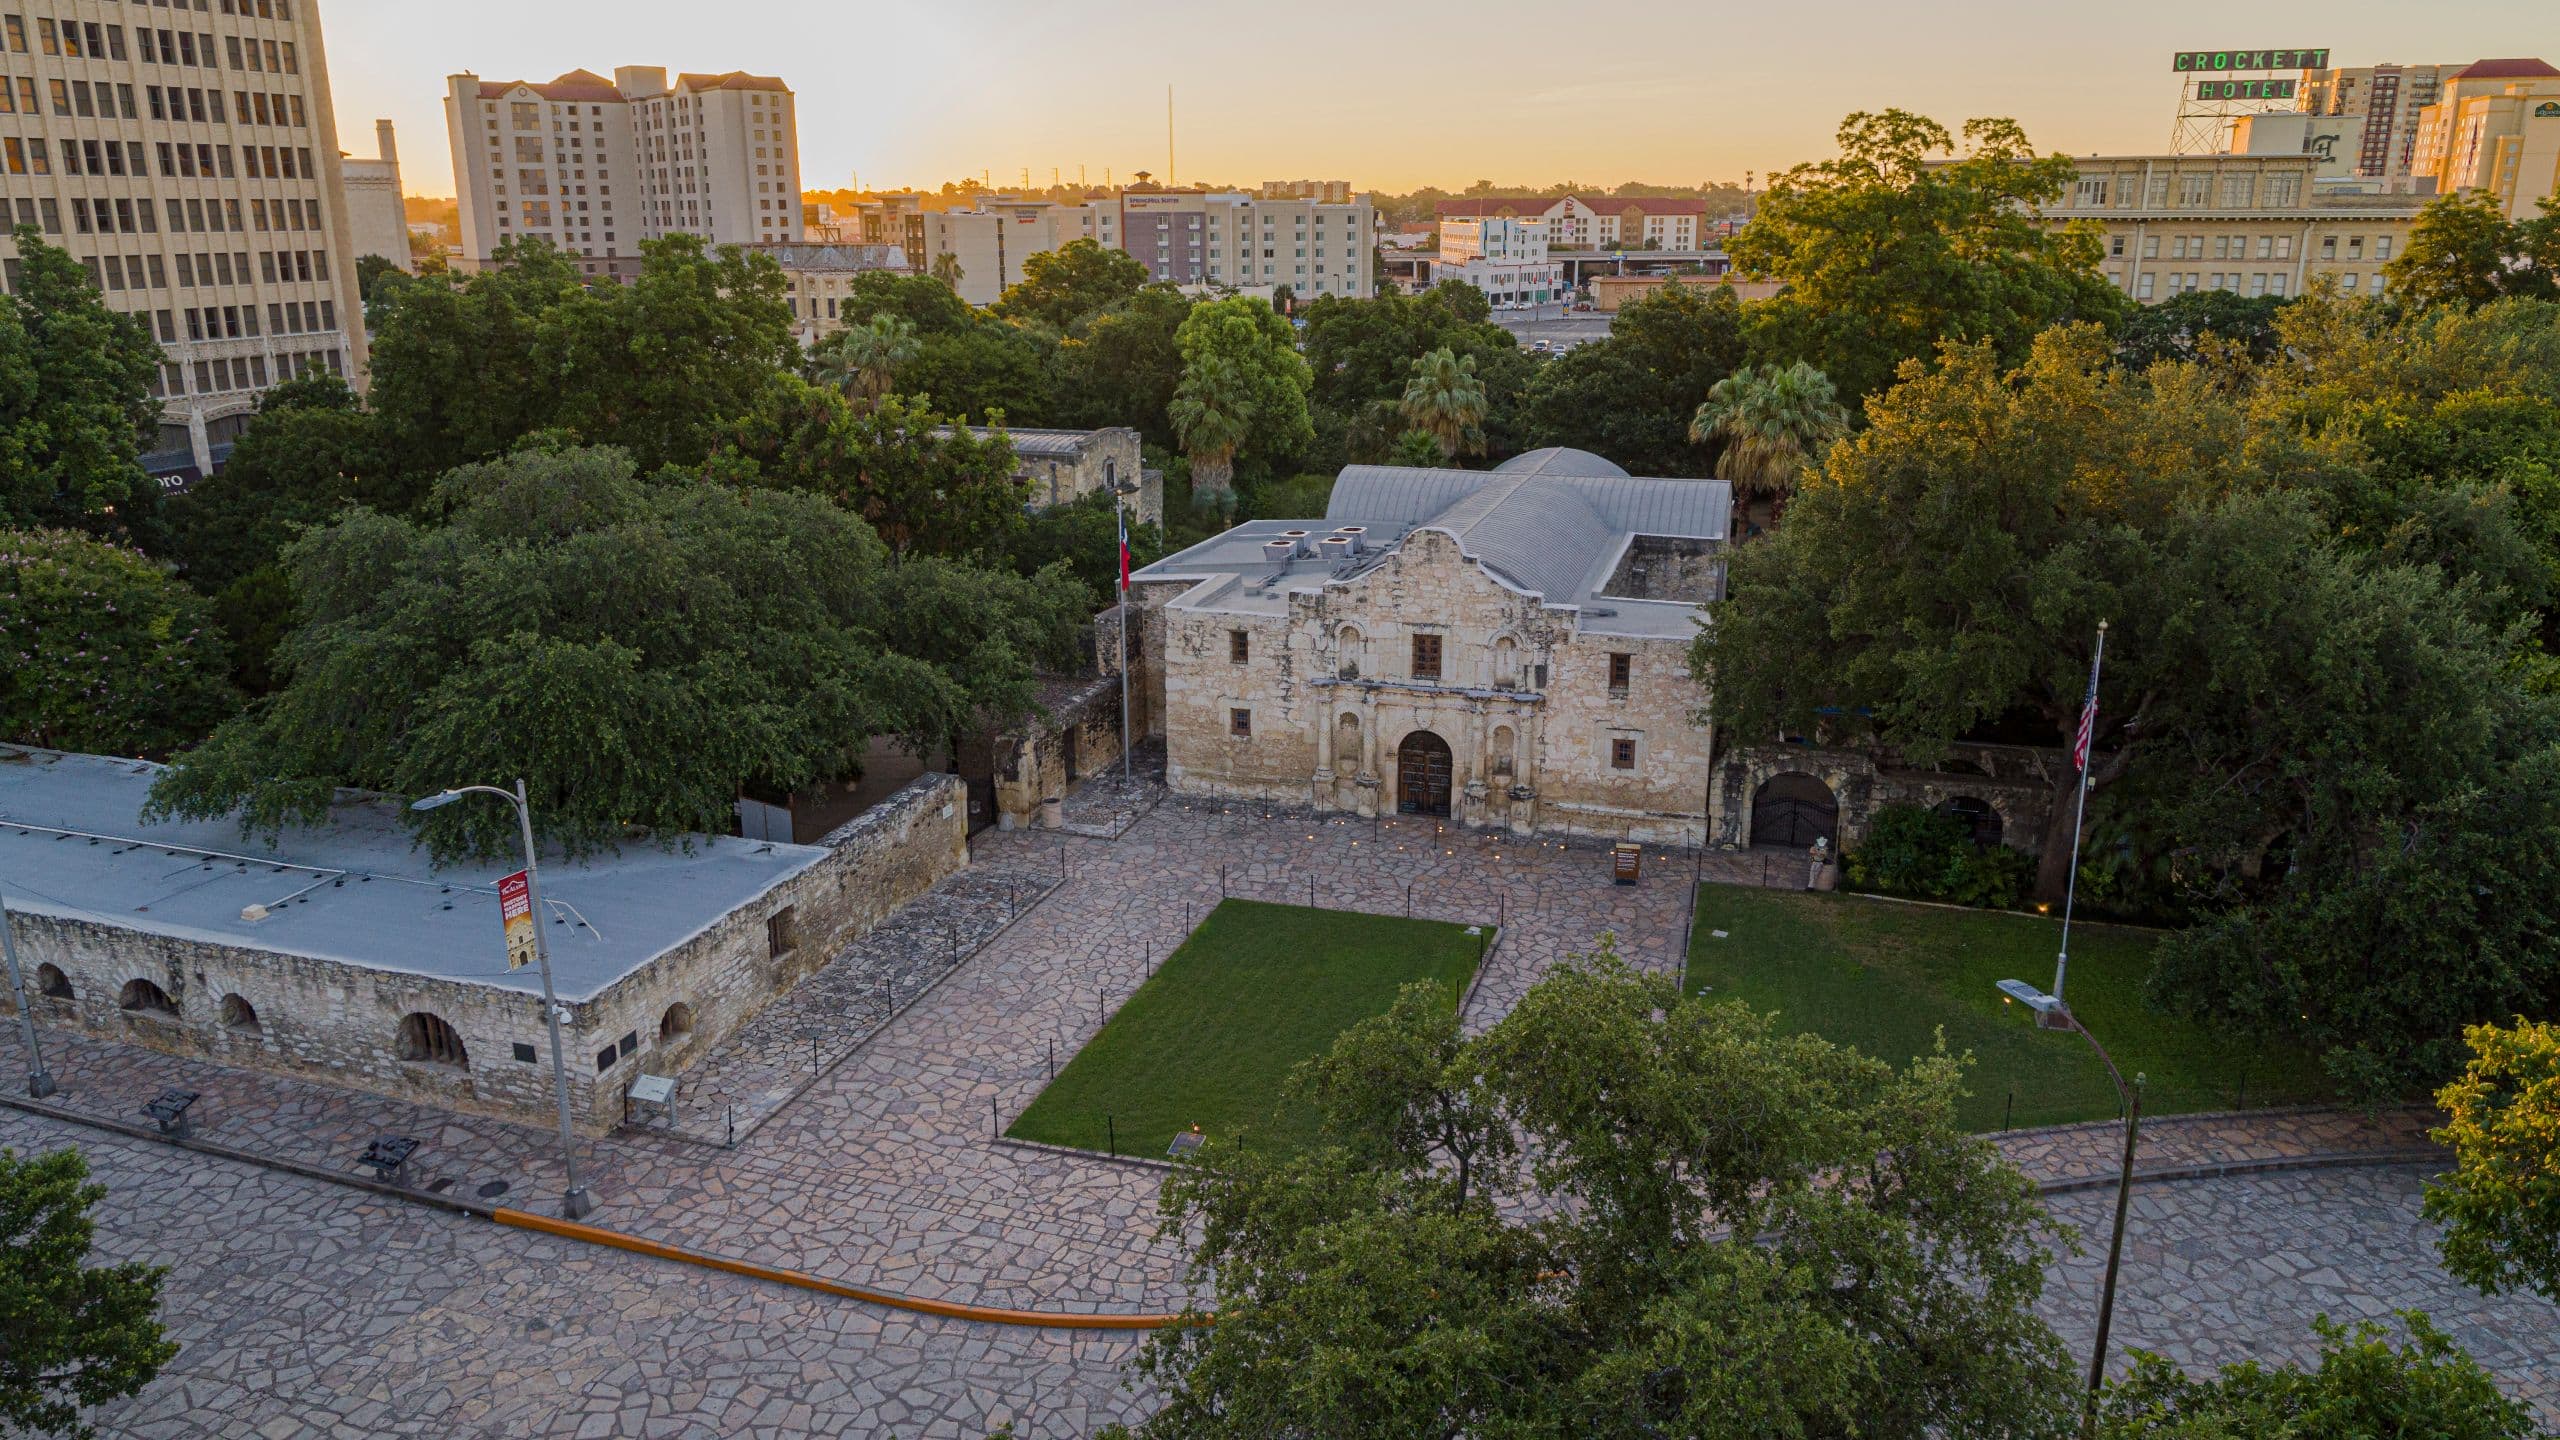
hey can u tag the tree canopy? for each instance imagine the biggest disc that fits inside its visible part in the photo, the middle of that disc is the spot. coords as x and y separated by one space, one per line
1622 1211
640 652
2500 1205
1888 250
1942 578
72 1334
2463 250
1770 425
108 652
1121 364
923 483
75 400
1243 389
2362 1388
1632 395
1059 287
2180 327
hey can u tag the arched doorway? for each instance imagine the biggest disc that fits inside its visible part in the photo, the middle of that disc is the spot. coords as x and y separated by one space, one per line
1980 820
1422 775
1794 810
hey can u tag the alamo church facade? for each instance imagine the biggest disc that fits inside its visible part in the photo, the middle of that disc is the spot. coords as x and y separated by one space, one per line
1506 649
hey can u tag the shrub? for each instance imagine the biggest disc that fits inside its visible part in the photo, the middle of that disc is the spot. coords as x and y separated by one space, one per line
1928 855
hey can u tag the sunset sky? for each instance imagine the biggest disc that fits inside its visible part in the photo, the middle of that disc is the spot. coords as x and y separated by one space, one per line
1388 97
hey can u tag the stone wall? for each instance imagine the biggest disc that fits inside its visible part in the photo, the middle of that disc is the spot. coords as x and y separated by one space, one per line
2013 780
1523 701
1658 567
342 1023
1079 736
1103 457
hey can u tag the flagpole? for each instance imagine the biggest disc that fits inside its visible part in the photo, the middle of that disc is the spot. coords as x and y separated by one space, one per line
2088 752
1120 513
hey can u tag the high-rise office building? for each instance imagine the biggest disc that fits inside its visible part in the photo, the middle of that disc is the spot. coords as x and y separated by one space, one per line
595 166
2387 98
377 209
185 151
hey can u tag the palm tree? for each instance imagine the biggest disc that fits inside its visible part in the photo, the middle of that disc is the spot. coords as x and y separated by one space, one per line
1211 418
946 268
1774 425
1446 401
863 360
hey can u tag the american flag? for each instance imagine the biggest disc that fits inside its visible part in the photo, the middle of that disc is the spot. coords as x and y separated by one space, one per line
2088 725
1122 516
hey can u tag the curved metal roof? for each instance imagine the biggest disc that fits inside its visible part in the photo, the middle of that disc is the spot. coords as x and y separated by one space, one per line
1545 529
1560 460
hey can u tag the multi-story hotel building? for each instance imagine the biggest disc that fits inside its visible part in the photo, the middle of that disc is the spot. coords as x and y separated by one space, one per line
377 210
2249 224
1503 257
2495 130
1227 240
1597 222
187 155
596 166
2388 100
1206 240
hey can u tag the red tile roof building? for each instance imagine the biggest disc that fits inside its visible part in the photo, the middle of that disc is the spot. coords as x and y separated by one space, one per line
1594 222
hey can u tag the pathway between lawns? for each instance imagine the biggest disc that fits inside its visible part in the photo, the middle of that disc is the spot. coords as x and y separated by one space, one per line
881 1172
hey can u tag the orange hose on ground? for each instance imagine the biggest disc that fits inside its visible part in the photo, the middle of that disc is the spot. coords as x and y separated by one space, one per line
947 1309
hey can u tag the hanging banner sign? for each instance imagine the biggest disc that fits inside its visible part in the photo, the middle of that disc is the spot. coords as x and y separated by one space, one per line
515 910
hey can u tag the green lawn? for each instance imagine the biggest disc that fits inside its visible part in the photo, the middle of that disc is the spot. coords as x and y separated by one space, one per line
1884 977
1211 1037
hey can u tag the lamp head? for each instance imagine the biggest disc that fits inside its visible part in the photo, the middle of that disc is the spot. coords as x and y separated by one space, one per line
436 801
2031 997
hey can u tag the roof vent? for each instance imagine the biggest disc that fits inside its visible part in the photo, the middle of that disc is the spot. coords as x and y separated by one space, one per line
1279 552
1357 535
1301 539
253 913
1337 549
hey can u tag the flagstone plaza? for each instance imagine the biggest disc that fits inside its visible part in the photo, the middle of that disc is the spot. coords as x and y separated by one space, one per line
309 1308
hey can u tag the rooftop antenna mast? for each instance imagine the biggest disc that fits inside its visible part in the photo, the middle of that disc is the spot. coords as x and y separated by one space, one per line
1171 175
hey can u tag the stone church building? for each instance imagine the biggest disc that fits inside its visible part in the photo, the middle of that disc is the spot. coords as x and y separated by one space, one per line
1504 648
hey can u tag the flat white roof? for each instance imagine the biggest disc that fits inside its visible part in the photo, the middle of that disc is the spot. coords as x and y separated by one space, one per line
359 892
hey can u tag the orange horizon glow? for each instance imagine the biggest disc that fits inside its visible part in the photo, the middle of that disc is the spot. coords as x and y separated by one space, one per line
1524 95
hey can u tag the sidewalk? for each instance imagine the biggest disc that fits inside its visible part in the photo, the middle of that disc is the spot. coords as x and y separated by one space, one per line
878 1170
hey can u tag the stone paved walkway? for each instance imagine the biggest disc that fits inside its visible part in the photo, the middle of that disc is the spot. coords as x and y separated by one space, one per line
307 1310
2217 1271
311 1312
880 1172
774 1058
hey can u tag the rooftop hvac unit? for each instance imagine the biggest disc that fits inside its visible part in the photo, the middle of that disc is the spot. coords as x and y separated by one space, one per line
1337 549
1279 552
1358 535
1301 539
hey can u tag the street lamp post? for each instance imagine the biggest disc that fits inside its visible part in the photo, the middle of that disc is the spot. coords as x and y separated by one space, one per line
577 1204
2051 1009
39 1084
